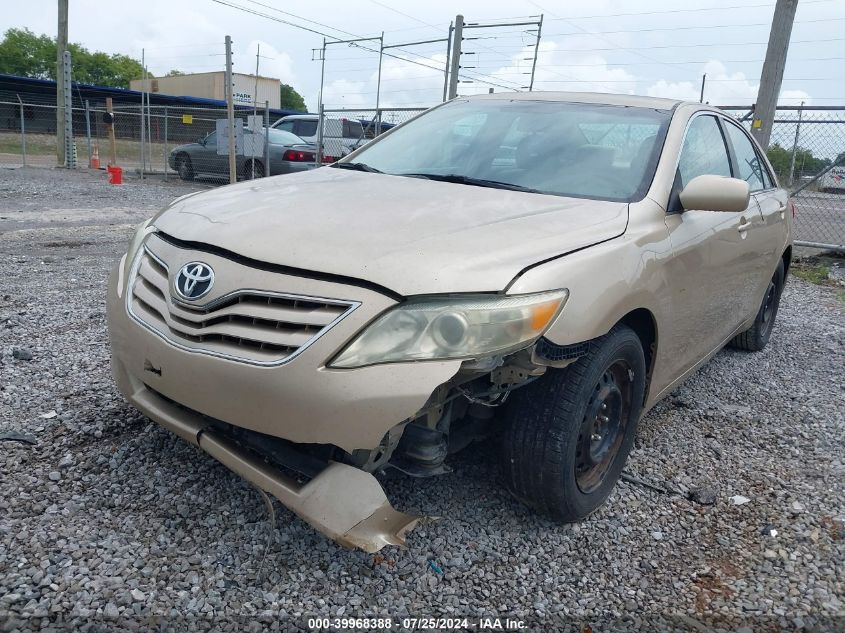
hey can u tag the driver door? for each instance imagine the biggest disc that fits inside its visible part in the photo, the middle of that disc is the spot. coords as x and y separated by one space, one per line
712 268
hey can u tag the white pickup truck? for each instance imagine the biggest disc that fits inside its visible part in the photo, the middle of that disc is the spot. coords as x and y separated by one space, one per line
340 135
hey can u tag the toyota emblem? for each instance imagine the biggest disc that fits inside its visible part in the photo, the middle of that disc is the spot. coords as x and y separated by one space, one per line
194 280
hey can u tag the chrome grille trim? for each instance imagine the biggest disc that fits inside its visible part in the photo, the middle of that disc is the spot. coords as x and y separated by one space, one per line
257 327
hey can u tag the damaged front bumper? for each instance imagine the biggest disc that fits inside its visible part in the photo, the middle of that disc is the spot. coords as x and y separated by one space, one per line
301 401
343 502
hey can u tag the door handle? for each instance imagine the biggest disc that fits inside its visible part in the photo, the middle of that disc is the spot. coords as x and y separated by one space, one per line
744 225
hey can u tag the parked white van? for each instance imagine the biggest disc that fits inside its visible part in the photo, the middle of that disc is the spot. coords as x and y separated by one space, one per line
834 180
340 135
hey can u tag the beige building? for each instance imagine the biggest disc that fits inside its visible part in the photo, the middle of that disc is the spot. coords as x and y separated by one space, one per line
212 86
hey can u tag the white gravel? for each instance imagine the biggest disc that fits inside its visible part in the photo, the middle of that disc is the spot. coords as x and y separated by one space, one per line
108 517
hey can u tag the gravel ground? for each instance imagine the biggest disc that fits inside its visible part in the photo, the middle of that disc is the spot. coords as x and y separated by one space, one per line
108 517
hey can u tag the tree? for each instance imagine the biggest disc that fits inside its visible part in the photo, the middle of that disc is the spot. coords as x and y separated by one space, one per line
805 163
28 55
174 73
291 99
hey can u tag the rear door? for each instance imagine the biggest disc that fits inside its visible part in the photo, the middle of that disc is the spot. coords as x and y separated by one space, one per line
772 200
712 270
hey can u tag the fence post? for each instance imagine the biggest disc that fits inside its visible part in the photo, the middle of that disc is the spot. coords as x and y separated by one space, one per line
70 158
88 129
320 137
165 144
23 131
267 138
795 146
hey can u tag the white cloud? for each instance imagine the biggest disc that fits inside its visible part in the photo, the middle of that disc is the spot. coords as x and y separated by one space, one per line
272 62
721 88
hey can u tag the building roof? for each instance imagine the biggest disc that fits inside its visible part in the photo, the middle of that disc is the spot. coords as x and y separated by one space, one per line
43 91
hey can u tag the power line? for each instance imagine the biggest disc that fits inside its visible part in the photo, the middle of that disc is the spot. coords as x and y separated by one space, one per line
644 48
702 61
688 28
473 76
639 79
696 10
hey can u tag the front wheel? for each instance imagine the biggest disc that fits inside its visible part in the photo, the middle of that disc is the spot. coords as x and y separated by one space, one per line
568 435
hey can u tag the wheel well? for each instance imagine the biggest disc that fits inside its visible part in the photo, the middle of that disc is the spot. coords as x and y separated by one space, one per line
787 260
643 323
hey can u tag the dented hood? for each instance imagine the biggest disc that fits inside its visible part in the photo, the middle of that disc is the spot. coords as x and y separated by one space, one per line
410 235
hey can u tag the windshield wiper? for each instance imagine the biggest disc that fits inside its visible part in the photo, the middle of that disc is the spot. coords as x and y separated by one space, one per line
476 182
357 167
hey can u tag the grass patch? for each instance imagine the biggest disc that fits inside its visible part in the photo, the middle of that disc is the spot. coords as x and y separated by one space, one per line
815 274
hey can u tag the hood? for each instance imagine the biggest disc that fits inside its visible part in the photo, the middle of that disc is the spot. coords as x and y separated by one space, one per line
410 235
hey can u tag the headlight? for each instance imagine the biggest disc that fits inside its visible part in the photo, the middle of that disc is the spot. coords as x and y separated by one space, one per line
141 232
453 327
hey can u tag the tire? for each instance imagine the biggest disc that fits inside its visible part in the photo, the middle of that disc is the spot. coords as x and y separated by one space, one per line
757 336
248 170
550 435
184 167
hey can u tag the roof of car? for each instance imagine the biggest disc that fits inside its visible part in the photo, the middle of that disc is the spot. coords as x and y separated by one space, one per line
585 97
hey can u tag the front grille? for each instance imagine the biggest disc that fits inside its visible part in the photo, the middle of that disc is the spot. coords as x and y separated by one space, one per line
251 325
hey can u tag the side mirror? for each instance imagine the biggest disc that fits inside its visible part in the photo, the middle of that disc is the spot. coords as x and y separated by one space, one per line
715 193
201 141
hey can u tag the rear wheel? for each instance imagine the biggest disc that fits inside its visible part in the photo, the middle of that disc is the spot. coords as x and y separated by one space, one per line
568 435
184 167
757 336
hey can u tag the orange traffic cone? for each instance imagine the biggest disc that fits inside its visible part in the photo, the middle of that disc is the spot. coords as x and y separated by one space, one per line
95 158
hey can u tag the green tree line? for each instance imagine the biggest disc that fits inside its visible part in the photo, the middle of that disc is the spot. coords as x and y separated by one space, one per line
25 54
806 164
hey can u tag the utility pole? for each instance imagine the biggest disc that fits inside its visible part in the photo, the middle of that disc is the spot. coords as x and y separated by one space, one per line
319 158
457 37
448 64
378 83
536 52
230 113
61 47
141 117
70 154
772 75
703 79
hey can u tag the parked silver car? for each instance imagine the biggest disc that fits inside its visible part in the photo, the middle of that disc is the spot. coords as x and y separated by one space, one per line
288 154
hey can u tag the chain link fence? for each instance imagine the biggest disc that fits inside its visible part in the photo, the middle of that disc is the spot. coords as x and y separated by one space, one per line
807 151
184 141
167 141
343 130
807 148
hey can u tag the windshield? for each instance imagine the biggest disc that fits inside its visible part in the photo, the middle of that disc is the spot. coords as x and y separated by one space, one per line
568 149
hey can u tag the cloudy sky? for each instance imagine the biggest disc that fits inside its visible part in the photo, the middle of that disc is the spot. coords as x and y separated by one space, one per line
655 47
